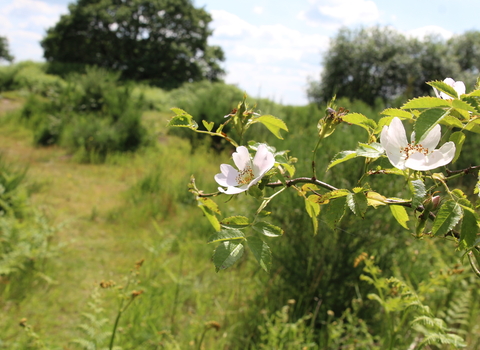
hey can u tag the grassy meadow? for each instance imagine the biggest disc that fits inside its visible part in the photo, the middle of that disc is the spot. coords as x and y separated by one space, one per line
96 214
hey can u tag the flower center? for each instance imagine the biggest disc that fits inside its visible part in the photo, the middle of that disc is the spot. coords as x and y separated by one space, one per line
245 176
411 149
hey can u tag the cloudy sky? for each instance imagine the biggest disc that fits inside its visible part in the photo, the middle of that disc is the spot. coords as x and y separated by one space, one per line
272 46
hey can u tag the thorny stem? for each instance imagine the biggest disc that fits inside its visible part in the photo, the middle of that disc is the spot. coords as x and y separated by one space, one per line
314 170
472 263
120 312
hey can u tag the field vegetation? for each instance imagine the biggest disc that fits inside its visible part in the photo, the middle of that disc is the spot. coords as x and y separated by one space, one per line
99 235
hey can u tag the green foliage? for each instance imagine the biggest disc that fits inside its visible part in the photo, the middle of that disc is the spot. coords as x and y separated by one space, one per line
33 79
92 116
94 329
279 331
4 51
380 63
162 41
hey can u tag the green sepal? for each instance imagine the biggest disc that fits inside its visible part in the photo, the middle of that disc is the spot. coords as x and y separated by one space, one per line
227 254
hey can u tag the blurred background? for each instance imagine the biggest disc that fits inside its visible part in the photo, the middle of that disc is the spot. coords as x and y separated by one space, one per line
94 201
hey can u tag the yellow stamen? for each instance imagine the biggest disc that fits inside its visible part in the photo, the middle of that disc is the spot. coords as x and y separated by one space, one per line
245 176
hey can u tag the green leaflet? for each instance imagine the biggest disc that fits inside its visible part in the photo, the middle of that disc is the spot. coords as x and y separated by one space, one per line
360 120
235 222
261 251
426 122
426 102
469 228
396 112
227 254
182 119
210 215
459 104
267 229
400 214
417 188
341 157
334 212
447 217
443 87
458 138
208 125
227 234
358 203
372 150
272 123
313 210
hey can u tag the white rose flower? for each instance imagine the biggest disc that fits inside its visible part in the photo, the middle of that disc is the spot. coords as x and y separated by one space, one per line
249 172
420 155
458 86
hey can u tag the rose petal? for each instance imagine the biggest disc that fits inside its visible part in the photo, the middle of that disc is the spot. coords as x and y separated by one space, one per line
228 176
233 190
263 161
241 158
431 140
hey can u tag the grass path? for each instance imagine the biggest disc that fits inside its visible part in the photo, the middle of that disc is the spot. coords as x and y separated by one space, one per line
101 238
77 197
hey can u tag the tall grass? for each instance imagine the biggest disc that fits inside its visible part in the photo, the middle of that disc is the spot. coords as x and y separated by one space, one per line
317 295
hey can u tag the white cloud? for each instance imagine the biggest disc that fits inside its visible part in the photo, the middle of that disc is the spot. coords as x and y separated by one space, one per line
423 32
272 58
335 13
24 23
258 10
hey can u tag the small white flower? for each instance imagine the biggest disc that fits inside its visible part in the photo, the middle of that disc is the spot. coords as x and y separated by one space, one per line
249 172
458 86
417 156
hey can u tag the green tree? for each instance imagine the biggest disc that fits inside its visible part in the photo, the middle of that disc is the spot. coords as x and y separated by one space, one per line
466 49
4 51
378 62
162 41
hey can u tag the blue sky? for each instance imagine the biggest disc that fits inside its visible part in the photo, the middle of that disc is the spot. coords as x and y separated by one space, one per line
272 46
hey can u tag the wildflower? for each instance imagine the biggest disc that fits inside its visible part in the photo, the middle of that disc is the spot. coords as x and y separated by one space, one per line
458 86
249 172
417 156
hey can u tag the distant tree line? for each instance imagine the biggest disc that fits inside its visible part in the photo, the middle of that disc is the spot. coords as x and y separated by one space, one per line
4 50
380 63
160 41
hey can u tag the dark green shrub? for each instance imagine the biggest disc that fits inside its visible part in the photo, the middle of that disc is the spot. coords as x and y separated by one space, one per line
92 116
35 80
